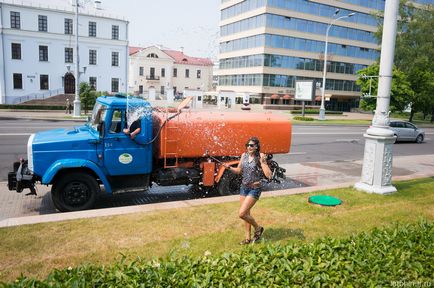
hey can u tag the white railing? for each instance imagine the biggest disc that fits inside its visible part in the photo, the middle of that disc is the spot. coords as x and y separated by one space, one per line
35 96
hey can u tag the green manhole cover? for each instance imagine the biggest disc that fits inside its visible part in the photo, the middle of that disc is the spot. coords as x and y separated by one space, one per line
325 200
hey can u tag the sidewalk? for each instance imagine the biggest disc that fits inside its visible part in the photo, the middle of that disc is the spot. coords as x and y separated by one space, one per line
316 176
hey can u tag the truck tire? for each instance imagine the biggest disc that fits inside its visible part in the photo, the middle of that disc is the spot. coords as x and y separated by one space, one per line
229 184
74 191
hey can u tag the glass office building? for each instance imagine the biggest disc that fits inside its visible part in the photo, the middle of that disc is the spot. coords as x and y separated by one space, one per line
267 45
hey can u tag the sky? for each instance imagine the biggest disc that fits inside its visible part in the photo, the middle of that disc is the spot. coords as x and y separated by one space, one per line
191 24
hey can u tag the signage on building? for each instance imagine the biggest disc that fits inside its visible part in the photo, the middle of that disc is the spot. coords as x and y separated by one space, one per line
305 90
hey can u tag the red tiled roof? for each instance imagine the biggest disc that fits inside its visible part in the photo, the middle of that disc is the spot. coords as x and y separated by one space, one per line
133 50
181 58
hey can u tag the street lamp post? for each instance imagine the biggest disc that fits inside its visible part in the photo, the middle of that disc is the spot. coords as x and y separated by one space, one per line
322 109
77 103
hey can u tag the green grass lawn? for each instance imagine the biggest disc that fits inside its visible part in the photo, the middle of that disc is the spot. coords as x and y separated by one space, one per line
35 250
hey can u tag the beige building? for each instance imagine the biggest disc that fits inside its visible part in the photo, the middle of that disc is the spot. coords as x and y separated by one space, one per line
162 69
267 45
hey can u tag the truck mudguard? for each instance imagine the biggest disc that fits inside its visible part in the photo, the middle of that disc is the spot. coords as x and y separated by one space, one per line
74 163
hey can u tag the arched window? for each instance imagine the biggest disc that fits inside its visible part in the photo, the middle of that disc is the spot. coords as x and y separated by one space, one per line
152 55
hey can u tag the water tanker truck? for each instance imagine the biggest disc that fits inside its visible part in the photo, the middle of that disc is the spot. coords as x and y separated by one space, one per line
174 147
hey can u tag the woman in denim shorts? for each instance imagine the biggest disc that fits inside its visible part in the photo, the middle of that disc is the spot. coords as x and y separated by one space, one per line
252 167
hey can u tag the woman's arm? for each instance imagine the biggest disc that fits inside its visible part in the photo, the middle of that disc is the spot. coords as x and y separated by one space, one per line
236 170
264 166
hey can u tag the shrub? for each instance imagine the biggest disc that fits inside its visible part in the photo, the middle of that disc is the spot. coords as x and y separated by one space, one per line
316 111
303 118
32 107
379 258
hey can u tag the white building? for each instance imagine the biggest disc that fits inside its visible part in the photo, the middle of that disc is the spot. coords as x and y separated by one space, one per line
161 69
37 55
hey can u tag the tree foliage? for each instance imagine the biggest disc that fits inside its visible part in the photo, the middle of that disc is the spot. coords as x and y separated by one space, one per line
400 95
414 56
88 95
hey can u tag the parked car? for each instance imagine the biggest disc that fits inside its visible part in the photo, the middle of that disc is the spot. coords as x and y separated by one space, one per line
406 131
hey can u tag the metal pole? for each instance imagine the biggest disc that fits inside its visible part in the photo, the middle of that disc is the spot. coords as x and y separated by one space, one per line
378 156
322 108
77 103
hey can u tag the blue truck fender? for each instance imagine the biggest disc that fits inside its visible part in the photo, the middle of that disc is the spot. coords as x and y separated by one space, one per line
74 163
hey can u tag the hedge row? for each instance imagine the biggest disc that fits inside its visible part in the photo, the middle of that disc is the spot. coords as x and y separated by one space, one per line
302 118
380 258
316 111
32 107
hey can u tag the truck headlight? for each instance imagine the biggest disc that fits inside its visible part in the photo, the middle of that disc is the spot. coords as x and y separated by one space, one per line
30 152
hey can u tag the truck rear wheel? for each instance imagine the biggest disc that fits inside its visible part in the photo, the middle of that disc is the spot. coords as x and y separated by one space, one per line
75 191
229 184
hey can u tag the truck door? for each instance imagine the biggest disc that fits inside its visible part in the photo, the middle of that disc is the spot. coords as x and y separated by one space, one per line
122 156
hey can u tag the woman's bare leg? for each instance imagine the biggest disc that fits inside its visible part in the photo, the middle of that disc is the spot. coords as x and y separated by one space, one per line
248 227
244 212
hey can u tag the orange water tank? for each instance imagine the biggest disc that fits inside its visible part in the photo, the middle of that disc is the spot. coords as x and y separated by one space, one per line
192 133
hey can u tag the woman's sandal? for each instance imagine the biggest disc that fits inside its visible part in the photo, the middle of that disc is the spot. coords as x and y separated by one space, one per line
258 234
246 242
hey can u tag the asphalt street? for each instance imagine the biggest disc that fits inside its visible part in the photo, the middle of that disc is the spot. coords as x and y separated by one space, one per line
309 143
336 144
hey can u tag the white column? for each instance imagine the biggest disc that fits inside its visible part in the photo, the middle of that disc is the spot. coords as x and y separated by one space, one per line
377 161
151 94
169 95
77 102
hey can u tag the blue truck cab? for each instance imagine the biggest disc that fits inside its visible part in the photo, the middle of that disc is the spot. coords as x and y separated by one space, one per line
76 161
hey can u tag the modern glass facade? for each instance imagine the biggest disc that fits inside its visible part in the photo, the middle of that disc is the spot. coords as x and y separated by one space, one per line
267 45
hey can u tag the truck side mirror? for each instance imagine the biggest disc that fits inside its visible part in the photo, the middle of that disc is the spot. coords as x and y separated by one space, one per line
100 129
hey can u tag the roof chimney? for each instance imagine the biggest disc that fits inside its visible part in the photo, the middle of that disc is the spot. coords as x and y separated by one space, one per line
97 4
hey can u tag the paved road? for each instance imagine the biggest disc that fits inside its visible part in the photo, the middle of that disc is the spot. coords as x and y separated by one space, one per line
310 144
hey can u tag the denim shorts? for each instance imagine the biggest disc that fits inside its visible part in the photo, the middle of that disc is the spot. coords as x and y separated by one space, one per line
252 192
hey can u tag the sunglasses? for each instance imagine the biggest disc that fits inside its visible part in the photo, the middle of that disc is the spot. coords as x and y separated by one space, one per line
251 145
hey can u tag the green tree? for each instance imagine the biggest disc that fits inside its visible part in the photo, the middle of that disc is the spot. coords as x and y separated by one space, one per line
414 54
88 96
400 95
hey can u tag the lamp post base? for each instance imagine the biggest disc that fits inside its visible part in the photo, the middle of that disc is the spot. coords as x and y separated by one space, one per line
77 108
321 114
377 163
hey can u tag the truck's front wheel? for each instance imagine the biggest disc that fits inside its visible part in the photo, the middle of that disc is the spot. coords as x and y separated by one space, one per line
75 191
229 184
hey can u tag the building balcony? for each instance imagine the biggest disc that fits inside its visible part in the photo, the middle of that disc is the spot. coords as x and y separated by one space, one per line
152 78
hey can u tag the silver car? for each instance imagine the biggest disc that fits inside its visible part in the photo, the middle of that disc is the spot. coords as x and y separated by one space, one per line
406 131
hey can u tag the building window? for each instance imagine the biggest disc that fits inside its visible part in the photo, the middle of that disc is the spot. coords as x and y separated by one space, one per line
152 72
275 101
115 58
162 90
18 81
42 23
198 74
115 85
16 50
92 29
15 20
43 53
187 73
115 32
92 57
43 82
92 82
163 72
68 26
69 55
175 72
141 71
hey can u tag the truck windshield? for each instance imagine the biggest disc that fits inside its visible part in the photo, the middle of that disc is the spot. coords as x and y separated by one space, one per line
98 115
